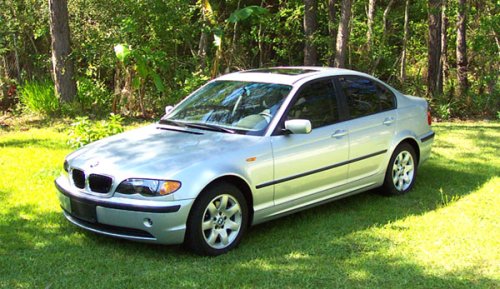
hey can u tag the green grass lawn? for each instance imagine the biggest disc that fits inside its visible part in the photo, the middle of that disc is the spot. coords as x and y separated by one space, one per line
444 234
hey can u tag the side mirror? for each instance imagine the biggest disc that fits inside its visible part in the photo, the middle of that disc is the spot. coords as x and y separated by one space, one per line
298 126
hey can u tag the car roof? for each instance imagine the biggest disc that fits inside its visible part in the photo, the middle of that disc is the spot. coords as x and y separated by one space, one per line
288 75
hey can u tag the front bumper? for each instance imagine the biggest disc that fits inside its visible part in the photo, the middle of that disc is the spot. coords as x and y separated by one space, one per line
162 222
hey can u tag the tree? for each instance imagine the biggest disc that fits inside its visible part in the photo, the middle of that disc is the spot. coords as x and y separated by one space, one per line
434 48
186 42
384 34
462 63
343 34
310 26
444 47
331 31
62 63
371 17
405 43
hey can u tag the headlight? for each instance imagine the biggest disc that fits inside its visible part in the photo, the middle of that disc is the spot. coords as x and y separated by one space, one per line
147 187
66 166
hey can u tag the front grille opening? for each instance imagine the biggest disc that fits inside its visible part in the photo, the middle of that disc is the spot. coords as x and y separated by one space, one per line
99 183
78 178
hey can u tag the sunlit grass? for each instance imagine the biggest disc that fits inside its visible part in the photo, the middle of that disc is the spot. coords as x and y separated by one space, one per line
444 234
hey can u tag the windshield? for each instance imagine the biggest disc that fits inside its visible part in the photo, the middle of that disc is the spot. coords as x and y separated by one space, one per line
231 106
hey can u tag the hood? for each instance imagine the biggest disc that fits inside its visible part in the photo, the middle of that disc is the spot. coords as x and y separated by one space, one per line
155 151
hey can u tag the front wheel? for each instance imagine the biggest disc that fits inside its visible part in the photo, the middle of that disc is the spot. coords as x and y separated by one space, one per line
401 171
217 221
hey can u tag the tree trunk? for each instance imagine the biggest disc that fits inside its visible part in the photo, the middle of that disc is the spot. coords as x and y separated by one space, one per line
444 46
384 17
16 57
232 55
310 25
203 43
62 63
405 43
260 42
343 34
434 48
384 33
371 17
462 63
202 49
331 31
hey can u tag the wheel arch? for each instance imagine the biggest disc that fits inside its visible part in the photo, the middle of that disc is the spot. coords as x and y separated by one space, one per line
409 137
242 185
414 144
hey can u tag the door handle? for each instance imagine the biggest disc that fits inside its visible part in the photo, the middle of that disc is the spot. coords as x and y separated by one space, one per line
339 133
389 120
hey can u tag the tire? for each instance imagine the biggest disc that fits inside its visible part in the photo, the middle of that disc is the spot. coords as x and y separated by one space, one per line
401 171
217 221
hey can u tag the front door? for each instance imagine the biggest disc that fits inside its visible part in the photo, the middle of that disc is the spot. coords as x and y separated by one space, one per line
308 166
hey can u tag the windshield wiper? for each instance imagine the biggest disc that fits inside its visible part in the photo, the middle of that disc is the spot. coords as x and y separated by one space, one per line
171 122
208 126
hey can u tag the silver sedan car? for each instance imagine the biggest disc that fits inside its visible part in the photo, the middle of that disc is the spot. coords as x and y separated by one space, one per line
246 148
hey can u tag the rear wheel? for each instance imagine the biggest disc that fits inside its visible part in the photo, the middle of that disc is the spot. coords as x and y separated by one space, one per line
217 221
401 171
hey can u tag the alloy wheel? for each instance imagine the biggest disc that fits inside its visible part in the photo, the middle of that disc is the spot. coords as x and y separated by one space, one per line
222 221
403 171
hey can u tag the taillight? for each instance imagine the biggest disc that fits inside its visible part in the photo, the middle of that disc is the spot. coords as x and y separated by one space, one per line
429 117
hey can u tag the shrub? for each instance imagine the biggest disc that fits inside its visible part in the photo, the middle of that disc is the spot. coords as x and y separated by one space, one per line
93 95
444 111
85 131
39 97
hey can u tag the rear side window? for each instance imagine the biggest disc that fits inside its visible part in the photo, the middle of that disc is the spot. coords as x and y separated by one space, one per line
386 97
365 96
316 102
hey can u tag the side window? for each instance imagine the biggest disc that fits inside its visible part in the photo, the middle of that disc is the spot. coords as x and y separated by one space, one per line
386 97
364 96
316 102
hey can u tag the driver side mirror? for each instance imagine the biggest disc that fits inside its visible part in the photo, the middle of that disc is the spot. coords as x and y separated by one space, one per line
298 126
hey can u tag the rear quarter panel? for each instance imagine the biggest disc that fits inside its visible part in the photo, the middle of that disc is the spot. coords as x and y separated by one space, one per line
412 123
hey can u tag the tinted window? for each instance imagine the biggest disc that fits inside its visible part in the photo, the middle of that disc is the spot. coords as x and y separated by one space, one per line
316 102
386 97
365 97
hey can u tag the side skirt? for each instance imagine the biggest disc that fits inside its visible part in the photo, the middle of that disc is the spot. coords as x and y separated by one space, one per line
275 212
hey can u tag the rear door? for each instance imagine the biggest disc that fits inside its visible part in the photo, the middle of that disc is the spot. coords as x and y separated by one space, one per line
371 126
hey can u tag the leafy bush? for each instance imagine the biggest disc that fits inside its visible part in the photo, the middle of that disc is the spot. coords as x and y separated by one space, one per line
93 95
444 111
85 131
185 85
39 97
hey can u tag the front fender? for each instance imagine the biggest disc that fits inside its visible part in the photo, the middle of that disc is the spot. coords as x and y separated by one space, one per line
254 165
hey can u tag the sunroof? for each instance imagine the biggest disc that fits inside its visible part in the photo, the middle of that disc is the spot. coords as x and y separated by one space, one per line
285 71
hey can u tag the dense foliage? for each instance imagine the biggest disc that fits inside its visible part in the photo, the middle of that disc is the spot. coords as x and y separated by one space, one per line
84 131
134 57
